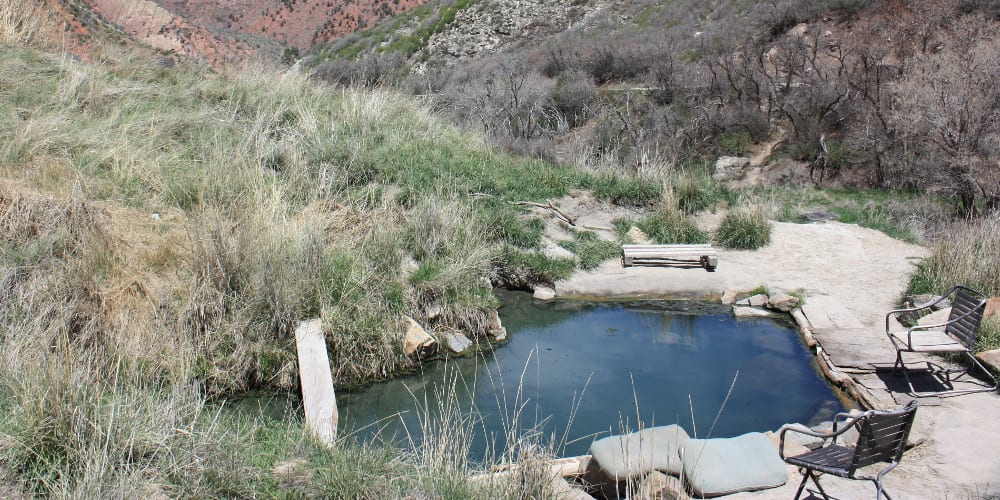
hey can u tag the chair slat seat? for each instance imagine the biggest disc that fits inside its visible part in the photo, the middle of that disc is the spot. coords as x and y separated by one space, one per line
833 459
928 341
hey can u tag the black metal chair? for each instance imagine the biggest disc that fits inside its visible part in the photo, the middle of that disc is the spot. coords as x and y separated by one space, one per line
881 438
958 335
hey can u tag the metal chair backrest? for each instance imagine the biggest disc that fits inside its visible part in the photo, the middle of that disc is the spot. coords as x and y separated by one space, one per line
882 436
967 308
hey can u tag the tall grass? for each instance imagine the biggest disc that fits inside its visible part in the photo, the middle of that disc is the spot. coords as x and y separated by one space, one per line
747 227
27 23
968 254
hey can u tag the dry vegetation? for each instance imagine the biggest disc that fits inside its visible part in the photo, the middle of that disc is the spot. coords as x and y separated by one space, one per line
162 229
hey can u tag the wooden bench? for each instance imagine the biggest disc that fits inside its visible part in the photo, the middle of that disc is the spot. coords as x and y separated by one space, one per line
702 255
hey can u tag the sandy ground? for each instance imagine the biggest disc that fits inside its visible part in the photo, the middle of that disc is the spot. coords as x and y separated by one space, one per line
850 277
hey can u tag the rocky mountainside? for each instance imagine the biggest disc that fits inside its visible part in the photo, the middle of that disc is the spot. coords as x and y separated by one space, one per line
221 31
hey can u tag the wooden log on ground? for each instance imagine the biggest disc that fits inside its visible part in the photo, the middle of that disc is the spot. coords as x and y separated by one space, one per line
318 396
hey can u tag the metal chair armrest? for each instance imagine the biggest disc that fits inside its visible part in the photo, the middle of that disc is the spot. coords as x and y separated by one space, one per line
809 432
916 308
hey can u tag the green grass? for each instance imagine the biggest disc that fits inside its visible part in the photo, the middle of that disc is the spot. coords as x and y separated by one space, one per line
664 228
989 334
406 33
900 214
745 228
590 250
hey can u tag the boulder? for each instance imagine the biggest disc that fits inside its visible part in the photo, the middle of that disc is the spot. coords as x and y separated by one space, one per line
992 307
457 342
759 300
716 467
780 300
638 236
730 167
792 448
418 341
494 328
926 298
544 293
659 486
635 454
729 297
990 358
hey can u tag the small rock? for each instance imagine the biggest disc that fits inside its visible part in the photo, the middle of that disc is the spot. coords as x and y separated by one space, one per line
288 466
751 312
409 266
759 300
742 302
730 167
729 298
155 216
780 300
818 215
494 328
659 486
457 342
433 311
544 293
638 236
418 341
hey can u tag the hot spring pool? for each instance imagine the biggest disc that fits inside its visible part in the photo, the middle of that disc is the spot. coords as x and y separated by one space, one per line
575 371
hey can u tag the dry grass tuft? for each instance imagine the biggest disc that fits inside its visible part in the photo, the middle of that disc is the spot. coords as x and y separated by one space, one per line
969 255
27 23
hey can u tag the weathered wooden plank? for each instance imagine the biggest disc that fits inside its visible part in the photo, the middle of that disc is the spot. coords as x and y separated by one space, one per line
318 396
701 253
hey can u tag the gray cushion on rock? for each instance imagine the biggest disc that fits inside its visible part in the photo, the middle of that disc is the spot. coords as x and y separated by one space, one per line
638 453
722 466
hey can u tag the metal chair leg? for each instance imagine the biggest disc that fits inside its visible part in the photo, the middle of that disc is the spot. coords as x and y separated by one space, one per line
806 477
880 490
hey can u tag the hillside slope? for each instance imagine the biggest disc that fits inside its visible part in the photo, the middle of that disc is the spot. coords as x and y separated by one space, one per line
233 31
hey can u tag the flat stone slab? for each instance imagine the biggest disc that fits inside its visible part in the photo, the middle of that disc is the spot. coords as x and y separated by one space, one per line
830 316
856 348
991 359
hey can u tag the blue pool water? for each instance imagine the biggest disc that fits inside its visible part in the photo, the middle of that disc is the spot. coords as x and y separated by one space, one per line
573 372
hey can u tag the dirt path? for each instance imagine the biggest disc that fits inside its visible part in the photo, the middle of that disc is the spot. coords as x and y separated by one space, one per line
850 277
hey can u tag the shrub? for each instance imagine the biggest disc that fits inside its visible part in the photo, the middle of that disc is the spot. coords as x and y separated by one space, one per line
572 96
745 228
697 191
735 141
